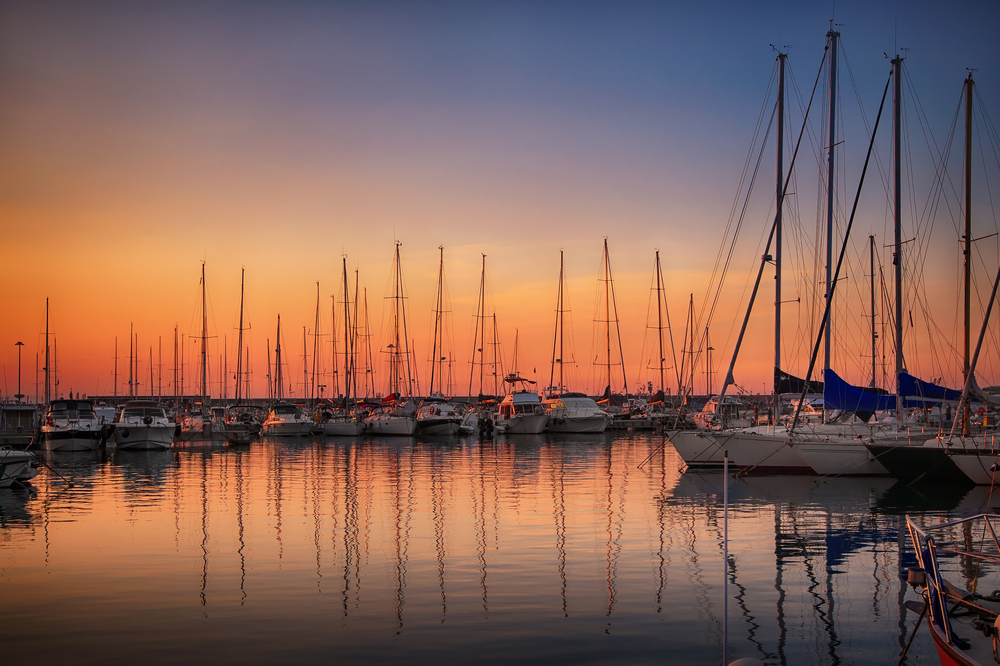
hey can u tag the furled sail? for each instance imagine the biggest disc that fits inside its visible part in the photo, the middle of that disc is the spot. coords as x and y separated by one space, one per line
918 393
786 383
838 394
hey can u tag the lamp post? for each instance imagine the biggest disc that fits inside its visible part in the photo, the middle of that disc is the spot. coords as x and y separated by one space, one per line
19 395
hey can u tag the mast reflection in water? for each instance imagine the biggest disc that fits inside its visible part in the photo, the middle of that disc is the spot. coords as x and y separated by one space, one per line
530 548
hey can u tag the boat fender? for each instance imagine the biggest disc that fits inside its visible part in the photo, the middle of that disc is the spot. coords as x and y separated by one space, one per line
124 433
147 419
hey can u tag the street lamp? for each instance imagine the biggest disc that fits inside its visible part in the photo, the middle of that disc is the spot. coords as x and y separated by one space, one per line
19 395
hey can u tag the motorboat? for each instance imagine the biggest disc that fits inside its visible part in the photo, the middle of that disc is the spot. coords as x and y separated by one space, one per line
13 465
286 420
72 425
436 416
521 413
574 413
393 420
143 425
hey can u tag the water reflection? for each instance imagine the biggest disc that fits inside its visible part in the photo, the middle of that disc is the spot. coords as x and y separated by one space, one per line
523 548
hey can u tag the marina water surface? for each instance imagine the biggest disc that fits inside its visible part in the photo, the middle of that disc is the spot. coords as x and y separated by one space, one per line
525 549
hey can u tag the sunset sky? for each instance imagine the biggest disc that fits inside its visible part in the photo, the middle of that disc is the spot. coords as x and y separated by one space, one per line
139 140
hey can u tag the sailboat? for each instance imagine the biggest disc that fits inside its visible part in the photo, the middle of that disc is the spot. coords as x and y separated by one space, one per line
967 456
568 412
436 415
197 426
397 416
284 419
345 421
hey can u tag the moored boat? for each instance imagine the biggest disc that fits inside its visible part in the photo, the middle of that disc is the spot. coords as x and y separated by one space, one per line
143 425
13 465
72 425
286 420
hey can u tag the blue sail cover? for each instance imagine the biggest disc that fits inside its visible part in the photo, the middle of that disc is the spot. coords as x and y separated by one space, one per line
838 394
918 393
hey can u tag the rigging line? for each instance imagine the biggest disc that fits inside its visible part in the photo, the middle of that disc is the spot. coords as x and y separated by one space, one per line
986 173
864 118
784 190
840 260
715 277
774 225
732 246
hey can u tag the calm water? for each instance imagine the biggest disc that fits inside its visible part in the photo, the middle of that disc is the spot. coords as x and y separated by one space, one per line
529 549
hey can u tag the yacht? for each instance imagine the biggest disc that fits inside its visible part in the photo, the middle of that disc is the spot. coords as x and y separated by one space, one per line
286 420
72 425
574 413
143 424
437 416
521 413
397 420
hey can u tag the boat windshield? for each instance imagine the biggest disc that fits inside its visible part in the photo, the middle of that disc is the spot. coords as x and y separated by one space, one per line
144 411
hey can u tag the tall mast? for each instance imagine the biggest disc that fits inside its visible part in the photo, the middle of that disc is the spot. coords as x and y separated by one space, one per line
270 382
204 345
435 351
316 343
159 366
897 106
48 383
348 346
305 366
239 341
779 191
871 266
151 384
335 386
690 387
369 378
833 36
968 240
131 387
116 368
659 321
557 339
478 336
496 357
279 391
708 365
176 389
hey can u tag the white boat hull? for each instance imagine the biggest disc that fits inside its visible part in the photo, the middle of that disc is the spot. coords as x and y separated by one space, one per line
77 440
577 424
840 458
438 427
144 437
697 448
761 451
292 429
396 426
12 466
977 457
524 424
